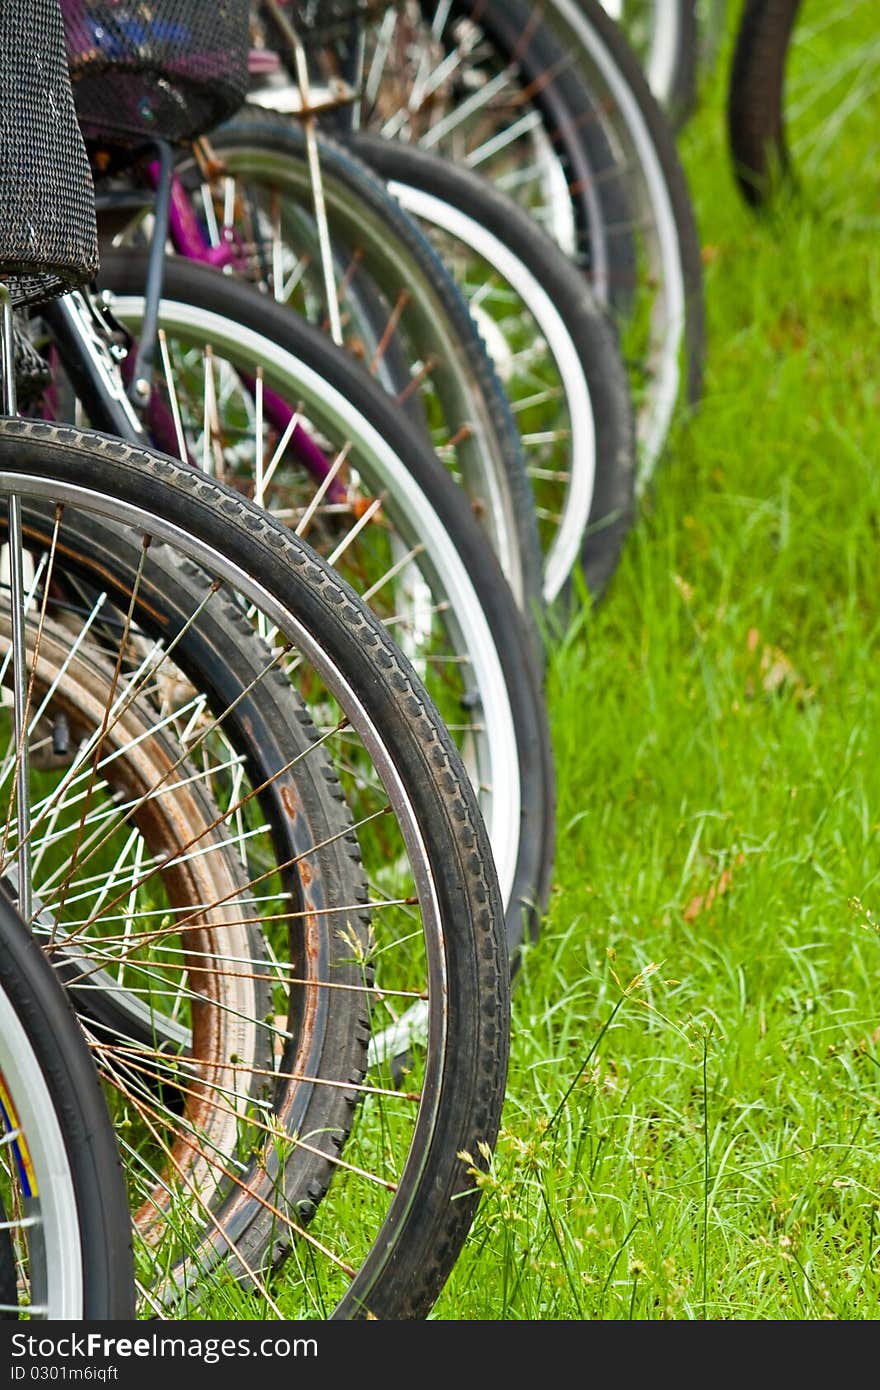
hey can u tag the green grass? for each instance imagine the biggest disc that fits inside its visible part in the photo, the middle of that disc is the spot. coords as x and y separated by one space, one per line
692 1124
692 1121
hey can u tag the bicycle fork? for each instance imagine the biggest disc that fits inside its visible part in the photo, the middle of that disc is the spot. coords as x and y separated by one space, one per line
17 618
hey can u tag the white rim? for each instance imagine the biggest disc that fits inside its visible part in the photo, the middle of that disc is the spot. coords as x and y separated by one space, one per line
564 552
55 1190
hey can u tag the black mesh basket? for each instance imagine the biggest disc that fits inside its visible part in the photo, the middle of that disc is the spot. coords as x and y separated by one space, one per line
156 69
48 238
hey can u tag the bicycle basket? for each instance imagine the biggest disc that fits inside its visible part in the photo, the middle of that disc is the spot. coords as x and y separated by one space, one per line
156 69
48 237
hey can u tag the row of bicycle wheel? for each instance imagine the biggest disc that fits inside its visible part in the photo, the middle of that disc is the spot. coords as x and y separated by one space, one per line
344 336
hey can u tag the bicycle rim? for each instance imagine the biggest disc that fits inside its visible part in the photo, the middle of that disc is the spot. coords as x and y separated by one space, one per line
65 1246
43 1271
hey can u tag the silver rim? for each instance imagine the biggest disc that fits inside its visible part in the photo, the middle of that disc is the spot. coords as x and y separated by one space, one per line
630 136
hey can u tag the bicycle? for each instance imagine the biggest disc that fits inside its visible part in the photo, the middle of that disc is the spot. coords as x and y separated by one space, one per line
570 398
549 102
350 261
264 178
357 476
556 349
218 1064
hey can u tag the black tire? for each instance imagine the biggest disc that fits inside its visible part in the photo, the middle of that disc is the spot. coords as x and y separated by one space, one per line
431 1208
592 335
237 303
102 1213
756 100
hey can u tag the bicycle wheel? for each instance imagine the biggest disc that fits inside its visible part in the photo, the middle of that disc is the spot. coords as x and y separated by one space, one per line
380 1238
554 347
66 1233
756 122
399 309
399 529
802 101
550 103
663 33
135 836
